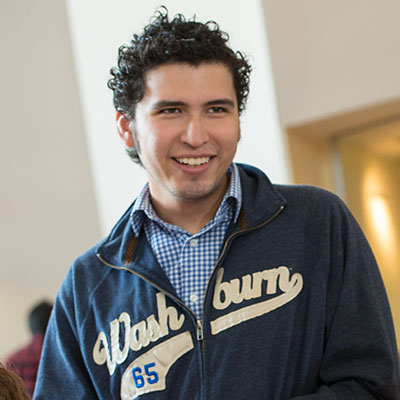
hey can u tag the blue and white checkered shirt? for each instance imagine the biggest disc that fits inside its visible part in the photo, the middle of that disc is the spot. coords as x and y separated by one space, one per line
188 260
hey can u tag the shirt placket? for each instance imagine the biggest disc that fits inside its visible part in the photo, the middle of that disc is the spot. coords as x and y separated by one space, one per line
191 272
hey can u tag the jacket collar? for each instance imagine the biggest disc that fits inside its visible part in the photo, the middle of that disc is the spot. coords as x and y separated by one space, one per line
260 202
260 198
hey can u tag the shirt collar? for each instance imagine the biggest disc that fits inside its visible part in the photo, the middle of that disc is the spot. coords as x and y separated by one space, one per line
143 208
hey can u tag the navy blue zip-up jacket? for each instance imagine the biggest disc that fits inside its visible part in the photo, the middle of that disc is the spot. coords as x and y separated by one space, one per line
294 309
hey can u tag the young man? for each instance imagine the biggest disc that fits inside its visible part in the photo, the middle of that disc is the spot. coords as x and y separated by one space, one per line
215 284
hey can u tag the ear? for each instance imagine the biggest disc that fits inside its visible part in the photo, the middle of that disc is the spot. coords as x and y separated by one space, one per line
124 130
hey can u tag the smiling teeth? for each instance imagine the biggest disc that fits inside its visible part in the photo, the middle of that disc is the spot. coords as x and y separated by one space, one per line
193 161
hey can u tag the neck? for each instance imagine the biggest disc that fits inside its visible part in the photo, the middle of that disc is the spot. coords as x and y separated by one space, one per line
190 215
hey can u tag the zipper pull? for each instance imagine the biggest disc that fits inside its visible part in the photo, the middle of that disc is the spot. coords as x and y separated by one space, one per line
199 330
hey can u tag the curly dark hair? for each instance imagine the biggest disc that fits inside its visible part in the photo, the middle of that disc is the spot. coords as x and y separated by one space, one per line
165 41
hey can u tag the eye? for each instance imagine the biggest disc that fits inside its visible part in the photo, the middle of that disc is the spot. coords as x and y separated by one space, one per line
170 110
217 110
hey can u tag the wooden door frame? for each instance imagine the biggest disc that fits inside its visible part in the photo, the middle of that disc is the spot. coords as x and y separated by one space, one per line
314 156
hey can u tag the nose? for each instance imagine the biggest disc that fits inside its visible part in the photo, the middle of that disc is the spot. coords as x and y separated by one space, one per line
195 133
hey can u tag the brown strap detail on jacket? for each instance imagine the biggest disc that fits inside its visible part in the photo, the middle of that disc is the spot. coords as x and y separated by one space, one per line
242 220
130 250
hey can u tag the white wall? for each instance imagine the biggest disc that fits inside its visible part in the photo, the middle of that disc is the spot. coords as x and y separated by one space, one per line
47 206
99 27
329 57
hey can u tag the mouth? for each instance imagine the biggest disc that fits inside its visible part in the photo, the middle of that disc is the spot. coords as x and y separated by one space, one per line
193 161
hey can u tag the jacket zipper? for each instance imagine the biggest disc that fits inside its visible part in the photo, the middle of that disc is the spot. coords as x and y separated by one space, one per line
199 329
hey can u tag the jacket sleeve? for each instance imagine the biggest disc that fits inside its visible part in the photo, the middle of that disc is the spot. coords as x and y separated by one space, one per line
62 372
360 359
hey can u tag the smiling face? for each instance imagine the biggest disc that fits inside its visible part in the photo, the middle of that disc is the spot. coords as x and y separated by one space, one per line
187 129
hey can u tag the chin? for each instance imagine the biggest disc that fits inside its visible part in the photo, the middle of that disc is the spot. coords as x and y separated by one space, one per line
192 195
195 193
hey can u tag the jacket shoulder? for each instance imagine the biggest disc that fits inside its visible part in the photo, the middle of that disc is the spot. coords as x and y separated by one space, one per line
85 273
306 192
306 196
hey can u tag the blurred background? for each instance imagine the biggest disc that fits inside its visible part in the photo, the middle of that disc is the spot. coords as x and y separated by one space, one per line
324 109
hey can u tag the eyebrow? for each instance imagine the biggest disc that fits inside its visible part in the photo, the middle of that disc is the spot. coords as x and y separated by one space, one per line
167 103
171 103
226 102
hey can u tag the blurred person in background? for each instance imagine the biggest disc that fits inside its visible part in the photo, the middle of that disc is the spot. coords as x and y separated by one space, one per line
25 361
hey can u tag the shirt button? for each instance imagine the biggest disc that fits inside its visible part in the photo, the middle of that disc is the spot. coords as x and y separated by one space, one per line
194 298
194 242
